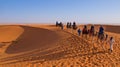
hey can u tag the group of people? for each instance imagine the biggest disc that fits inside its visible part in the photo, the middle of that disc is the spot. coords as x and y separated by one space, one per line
100 35
69 25
91 32
59 24
87 31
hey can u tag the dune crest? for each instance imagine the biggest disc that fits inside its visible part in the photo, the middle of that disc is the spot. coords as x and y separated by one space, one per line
10 33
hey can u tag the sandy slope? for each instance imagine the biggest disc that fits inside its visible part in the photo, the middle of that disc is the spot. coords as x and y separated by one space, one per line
61 48
8 35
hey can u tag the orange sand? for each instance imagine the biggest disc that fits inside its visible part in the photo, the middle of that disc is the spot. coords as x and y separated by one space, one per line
49 46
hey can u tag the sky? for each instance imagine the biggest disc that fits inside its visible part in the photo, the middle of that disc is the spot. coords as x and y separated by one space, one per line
50 11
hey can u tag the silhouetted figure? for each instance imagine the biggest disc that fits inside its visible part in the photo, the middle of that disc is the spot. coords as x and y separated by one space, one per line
85 31
91 31
79 32
61 25
68 24
101 33
74 26
57 23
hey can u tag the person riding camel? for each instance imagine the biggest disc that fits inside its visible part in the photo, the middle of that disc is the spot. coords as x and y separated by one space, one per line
91 31
85 31
101 33
74 26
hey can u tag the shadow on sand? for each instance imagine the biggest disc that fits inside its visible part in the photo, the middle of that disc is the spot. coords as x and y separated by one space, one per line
60 55
32 38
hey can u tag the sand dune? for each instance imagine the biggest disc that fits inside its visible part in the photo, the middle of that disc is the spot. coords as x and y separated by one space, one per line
10 33
32 38
48 46
113 29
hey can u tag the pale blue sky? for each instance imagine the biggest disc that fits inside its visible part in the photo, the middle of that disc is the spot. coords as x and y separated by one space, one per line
49 11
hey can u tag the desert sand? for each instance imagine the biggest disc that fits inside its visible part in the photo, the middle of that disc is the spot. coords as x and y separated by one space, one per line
49 46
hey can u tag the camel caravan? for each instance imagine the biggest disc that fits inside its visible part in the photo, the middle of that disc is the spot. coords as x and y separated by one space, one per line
91 33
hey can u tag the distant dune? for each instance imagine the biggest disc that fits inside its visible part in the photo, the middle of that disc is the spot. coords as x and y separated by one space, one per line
114 29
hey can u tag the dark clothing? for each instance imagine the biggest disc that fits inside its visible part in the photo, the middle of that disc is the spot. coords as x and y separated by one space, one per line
56 23
79 32
101 33
101 30
68 25
74 26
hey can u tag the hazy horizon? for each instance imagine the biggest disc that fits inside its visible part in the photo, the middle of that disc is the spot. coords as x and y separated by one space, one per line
50 11
47 23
